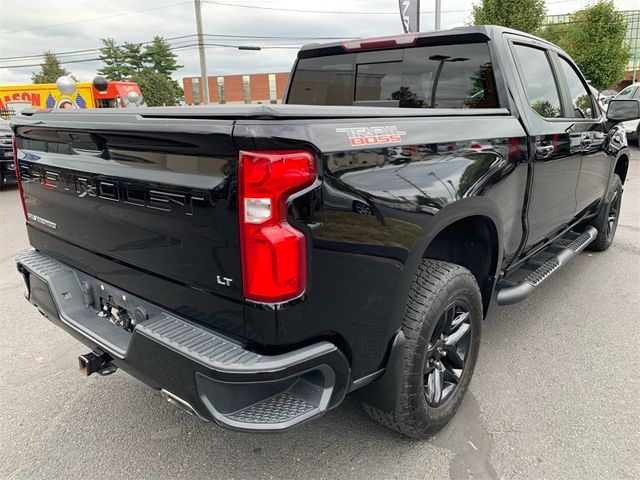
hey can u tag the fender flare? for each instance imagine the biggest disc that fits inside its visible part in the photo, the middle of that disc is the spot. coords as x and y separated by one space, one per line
452 213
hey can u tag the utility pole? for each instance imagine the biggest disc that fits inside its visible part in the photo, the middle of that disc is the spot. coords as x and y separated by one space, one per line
438 13
203 61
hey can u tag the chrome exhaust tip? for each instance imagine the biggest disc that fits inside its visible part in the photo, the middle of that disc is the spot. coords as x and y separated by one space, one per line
178 402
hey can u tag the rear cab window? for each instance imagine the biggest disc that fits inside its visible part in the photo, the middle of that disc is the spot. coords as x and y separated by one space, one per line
447 76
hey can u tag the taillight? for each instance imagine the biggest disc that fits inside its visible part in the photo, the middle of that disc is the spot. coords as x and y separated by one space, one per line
274 253
19 180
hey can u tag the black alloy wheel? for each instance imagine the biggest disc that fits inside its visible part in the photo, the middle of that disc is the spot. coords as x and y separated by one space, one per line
613 214
442 328
447 351
606 222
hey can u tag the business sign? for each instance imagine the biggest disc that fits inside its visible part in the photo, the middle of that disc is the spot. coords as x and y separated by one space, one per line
410 15
47 96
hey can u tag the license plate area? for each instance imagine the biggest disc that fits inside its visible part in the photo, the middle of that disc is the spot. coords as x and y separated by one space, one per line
118 308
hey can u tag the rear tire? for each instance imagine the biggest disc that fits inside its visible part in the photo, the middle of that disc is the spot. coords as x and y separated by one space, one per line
607 220
440 292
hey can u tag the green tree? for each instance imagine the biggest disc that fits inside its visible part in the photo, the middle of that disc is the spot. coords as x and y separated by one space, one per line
113 57
594 38
157 89
545 109
50 69
158 55
130 61
525 15
133 58
554 32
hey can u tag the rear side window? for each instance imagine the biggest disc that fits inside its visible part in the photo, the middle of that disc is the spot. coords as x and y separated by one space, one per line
449 76
580 99
538 80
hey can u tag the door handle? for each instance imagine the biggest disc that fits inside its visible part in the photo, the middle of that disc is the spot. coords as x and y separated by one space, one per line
585 140
544 151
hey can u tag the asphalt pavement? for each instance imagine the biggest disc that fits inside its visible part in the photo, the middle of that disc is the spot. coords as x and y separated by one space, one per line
556 395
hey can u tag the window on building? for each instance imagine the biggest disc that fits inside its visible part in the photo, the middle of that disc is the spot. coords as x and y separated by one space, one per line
221 89
195 90
246 88
273 90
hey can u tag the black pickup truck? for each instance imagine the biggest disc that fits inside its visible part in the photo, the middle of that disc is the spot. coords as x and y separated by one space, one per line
256 263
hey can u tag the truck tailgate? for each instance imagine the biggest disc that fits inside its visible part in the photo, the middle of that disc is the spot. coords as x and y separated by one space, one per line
149 201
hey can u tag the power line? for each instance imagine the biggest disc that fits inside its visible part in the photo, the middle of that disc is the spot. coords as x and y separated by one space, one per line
88 50
134 12
189 37
297 10
342 12
181 47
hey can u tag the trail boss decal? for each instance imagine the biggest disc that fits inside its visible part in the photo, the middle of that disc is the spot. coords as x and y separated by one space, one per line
361 136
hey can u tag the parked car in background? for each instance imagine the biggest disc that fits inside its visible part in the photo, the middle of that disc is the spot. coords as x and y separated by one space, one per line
607 96
7 168
632 128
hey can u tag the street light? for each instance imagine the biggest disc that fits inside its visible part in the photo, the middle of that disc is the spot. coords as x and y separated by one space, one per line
248 47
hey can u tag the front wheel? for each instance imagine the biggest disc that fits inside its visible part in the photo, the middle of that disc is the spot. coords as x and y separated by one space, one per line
607 220
442 327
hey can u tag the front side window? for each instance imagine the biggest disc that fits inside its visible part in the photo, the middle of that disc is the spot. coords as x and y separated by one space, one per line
539 84
580 99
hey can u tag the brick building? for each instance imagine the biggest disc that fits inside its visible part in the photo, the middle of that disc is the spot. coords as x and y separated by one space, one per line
251 88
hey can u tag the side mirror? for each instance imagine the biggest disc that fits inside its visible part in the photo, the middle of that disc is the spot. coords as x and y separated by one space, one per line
623 110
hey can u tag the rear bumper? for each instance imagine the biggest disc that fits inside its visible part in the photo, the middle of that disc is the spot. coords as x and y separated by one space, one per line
215 377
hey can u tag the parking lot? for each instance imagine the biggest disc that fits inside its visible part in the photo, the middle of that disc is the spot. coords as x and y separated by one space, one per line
556 394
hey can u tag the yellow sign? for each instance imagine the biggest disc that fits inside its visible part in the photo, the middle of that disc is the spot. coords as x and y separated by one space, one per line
46 95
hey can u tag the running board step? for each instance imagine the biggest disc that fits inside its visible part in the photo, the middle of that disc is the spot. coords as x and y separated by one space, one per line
513 293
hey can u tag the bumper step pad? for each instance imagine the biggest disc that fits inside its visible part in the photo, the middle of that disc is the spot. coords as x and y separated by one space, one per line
284 407
510 293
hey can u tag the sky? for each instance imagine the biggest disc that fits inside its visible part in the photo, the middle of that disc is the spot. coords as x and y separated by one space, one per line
29 27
